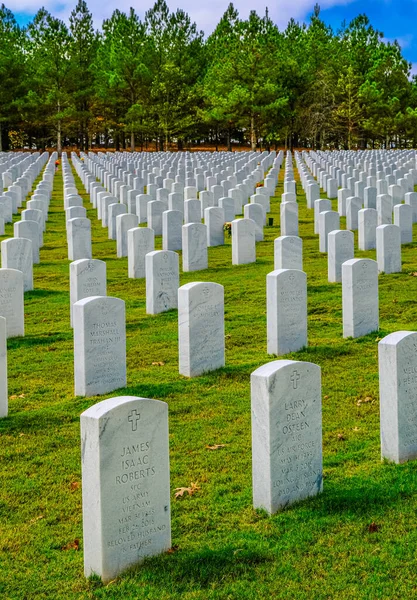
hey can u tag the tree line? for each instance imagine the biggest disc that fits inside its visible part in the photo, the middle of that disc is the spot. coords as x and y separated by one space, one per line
159 83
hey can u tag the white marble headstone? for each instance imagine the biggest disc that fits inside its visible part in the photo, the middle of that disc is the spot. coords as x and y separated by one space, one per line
99 345
125 484
11 301
286 291
360 297
200 328
162 281
87 278
398 395
286 434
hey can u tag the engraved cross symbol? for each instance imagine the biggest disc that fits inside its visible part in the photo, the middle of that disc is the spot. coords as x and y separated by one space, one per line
133 418
295 377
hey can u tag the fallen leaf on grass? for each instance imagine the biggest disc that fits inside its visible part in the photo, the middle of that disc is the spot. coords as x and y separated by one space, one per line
216 447
373 527
75 485
414 274
36 519
228 336
341 437
158 364
16 396
179 492
325 397
364 400
172 549
75 545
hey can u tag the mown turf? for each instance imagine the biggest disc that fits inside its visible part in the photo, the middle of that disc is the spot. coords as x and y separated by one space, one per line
222 548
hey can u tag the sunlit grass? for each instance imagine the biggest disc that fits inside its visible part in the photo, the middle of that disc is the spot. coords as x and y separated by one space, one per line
321 548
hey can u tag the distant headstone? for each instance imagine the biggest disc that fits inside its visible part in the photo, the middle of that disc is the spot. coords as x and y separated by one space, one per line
229 207
329 220
288 252
340 249
411 200
87 278
353 206
30 231
360 297
99 345
367 224
123 224
16 253
243 242
194 247
79 238
320 206
289 218
172 229
200 328
115 210
162 281
214 221
388 248
287 459
125 484
192 211
140 241
257 214
155 210
11 301
397 395
384 208
403 218
286 292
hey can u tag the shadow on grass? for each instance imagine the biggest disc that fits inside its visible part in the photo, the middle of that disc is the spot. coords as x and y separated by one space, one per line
354 496
204 567
33 340
40 293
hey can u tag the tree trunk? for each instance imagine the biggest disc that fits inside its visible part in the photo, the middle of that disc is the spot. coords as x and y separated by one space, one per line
229 139
252 133
1 137
132 141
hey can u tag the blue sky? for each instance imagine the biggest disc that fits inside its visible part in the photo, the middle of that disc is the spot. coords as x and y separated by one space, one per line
397 19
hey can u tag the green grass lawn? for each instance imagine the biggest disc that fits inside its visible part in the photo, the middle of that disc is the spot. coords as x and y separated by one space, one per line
357 540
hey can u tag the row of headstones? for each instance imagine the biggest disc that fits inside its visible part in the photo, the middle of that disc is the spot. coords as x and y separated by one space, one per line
99 321
15 167
19 186
16 274
193 238
374 229
99 324
125 453
384 199
164 170
22 251
173 193
392 173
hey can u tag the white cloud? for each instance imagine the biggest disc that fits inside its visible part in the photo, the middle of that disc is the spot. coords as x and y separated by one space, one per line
206 14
